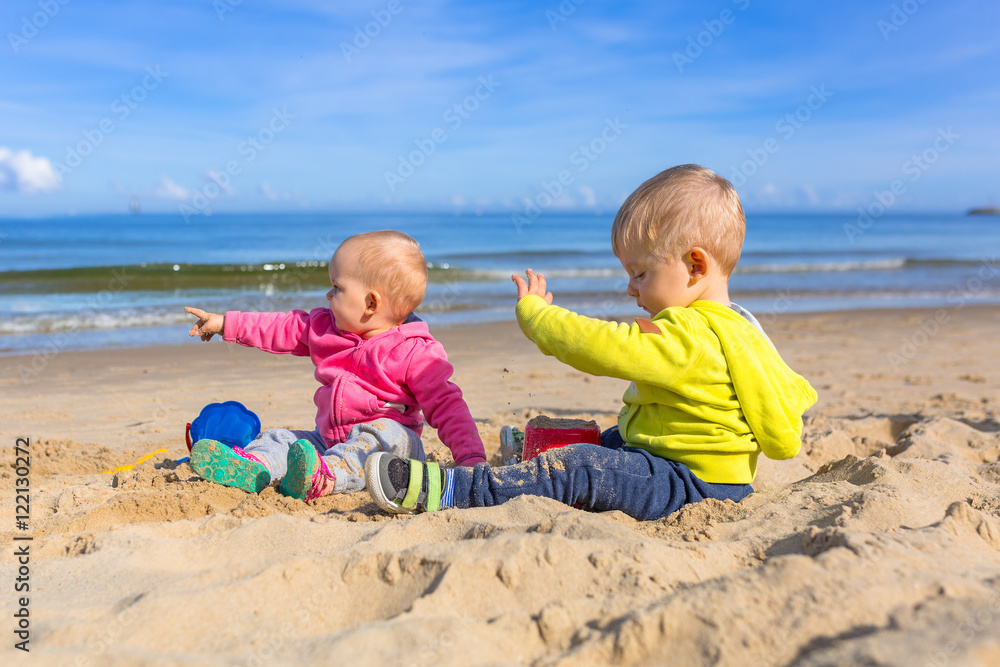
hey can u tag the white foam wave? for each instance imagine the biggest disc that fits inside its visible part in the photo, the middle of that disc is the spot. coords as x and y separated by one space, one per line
826 267
504 274
86 320
885 264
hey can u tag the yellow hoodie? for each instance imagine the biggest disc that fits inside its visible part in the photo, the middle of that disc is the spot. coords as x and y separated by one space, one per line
709 391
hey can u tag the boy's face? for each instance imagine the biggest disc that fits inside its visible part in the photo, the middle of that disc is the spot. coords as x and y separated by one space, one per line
656 284
347 297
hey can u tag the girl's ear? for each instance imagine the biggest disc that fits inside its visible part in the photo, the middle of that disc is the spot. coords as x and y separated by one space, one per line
373 303
697 261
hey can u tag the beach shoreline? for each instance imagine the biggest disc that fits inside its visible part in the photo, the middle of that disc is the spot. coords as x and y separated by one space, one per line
888 519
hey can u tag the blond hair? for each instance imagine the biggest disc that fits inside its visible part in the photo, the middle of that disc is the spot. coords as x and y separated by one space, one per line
679 209
390 262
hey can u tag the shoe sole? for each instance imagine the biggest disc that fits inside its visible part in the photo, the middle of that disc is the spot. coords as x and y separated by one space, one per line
374 485
217 463
294 484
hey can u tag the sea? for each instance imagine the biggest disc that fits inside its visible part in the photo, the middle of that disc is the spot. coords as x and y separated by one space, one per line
106 281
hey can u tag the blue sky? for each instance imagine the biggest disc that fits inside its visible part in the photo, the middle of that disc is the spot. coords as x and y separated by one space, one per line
290 106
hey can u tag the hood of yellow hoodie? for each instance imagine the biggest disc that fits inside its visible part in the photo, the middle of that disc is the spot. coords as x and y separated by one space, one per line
772 395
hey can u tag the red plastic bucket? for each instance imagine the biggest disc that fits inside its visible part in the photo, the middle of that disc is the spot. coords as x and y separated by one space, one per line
544 433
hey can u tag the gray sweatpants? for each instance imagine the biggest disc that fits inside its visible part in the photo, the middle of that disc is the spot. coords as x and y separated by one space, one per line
346 459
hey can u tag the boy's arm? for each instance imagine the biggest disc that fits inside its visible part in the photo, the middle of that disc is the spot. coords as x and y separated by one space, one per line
428 377
609 348
279 333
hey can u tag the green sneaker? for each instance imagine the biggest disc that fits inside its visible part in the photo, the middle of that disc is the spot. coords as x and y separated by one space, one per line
216 462
308 476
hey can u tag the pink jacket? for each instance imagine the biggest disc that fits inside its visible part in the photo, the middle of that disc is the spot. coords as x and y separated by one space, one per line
404 365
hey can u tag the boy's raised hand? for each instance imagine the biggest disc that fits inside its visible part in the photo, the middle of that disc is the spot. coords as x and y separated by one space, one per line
535 285
208 324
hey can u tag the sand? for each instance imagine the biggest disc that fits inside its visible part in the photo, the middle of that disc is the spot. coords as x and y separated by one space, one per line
878 545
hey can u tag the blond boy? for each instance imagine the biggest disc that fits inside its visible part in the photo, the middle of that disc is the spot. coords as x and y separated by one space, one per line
708 390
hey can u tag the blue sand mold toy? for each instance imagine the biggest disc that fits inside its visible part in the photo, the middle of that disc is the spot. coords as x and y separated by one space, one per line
231 423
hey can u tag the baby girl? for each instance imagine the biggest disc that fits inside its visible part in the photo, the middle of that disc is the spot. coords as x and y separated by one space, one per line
380 373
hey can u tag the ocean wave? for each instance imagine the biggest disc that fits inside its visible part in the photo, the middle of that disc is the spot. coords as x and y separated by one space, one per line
275 278
268 278
284 276
505 254
50 323
876 294
128 318
458 273
830 266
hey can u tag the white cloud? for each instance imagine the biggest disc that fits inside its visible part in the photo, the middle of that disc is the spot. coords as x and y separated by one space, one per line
167 189
267 191
20 171
223 183
797 196
545 201
809 192
270 194
767 195
589 198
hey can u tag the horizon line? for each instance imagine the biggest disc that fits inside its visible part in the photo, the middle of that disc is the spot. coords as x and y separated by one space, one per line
466 213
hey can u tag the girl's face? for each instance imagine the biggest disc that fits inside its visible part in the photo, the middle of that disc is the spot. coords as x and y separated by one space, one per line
349 299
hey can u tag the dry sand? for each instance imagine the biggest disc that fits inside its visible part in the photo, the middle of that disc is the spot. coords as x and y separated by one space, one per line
879 544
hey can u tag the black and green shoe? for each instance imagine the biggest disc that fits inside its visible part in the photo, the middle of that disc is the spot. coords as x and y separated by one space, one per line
404 486
511 445
218 463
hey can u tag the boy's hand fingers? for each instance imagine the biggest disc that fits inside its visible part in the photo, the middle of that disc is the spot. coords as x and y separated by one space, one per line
535 285
197 312
532 280
522 287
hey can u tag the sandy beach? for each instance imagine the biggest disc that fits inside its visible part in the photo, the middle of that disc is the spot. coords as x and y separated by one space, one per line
879 544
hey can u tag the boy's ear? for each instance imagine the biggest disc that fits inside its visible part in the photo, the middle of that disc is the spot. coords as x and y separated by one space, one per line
697 261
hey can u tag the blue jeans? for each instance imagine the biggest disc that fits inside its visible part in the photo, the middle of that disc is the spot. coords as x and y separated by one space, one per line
610 477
